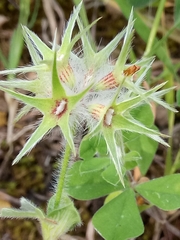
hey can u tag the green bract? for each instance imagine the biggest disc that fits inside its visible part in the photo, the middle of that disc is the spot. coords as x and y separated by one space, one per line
55 223
72 89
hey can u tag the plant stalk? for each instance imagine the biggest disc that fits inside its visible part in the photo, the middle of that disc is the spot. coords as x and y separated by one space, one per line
169 97
154 28
176 164
62 176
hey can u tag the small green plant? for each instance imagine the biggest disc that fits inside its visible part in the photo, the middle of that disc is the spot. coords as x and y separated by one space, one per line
87 88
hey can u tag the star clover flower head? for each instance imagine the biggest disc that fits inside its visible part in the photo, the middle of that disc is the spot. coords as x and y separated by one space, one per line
73 88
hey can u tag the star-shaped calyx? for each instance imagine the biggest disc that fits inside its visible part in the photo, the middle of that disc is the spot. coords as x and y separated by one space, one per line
56 111
110 119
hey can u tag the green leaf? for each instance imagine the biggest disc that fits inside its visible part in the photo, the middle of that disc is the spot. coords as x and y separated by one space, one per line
131 160
119 219
88 185
3 59
90 146
110 175
16 46
34 14
163 192
24 11
59 220
177 12
65 202
27 210
145 146
111 196
143 114
66 206
94 164
178 97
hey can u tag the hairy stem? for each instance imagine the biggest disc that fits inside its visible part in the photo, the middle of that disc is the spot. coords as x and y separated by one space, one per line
62 175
